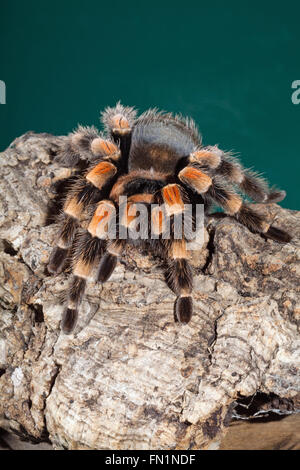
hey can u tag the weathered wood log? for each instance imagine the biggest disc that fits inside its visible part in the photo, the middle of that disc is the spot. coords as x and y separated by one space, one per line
131 378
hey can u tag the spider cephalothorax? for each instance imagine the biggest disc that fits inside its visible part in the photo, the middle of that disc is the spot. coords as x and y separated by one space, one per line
157 160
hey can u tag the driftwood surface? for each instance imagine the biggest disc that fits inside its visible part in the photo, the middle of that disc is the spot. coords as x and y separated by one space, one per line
129 377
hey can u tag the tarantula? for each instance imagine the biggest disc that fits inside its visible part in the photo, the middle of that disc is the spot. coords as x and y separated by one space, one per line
156 158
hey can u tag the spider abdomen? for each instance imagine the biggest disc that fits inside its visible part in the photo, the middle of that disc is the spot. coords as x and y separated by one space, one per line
158 146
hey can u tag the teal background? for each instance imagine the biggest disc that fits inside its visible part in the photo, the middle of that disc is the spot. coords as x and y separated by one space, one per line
228 64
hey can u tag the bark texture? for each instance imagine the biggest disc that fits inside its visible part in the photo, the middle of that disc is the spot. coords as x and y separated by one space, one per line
130 378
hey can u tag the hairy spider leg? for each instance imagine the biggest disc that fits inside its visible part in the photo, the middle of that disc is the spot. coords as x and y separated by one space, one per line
224 164
214 189
85 191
